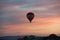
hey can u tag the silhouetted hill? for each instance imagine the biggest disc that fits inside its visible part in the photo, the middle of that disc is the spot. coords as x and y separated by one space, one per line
25 38
15 37
10 37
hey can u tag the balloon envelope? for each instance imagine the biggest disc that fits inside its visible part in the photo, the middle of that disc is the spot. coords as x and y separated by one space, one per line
30 16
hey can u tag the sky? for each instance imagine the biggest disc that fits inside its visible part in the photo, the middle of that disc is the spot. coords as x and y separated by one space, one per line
13 20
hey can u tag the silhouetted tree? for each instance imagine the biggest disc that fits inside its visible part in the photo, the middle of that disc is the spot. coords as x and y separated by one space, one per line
20 39
32 37
26 38
51 37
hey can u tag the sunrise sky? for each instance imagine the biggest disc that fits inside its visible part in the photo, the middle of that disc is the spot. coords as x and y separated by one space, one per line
14 22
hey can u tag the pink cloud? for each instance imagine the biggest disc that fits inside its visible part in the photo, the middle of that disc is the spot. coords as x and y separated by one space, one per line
39 26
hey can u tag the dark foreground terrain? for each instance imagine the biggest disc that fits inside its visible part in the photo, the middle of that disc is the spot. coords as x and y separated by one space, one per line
51 37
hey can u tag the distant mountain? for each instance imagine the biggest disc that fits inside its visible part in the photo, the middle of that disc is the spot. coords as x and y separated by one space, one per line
17 37
14 37
10 37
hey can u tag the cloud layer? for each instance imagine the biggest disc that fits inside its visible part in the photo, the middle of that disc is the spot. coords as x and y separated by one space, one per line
14 12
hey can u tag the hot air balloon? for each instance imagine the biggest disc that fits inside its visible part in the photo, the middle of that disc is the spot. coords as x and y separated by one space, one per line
30 16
